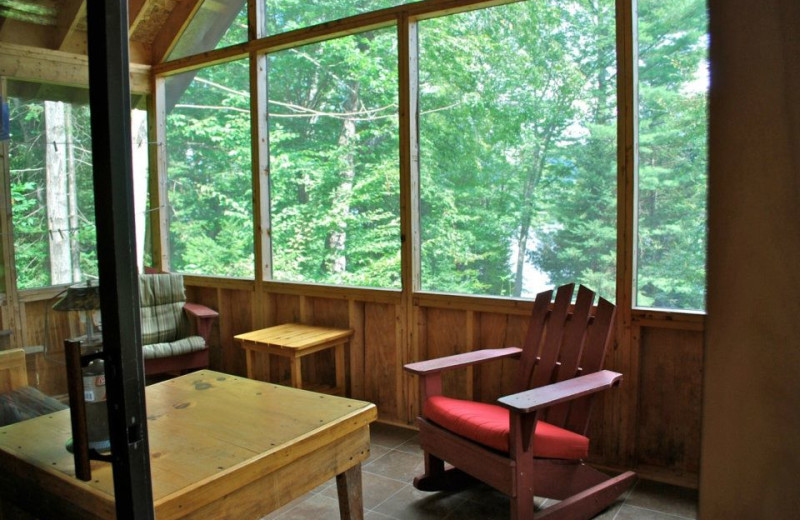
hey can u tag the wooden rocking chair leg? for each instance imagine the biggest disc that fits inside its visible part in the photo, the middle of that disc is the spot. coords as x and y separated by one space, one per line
522 501
589 503
522 507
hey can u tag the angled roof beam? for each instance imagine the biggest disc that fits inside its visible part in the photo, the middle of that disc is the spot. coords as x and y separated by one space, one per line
177 22
136 12
70 12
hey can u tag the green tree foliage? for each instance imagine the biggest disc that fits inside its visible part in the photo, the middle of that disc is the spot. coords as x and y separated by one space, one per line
334 161
210 187
502 165
672 154
518 153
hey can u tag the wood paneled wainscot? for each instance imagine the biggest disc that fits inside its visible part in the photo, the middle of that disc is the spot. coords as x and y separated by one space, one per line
650 424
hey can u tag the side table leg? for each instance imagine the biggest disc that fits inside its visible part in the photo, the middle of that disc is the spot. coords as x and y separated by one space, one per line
339 369
296 373
348 486
250 358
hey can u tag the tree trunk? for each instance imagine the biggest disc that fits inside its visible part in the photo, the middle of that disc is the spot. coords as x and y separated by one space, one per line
72 196
57 190
140 178
344 193
536 165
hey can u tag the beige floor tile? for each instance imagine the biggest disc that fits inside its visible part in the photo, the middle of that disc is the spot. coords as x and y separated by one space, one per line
397 465
389 436
375 489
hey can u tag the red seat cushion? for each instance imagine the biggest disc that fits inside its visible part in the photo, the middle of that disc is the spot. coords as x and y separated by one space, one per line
488 424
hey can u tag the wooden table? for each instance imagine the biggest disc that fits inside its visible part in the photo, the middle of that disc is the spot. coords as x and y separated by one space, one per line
221 447
294 341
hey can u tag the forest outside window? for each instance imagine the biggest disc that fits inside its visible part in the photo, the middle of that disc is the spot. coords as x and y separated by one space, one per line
334 166
518 148
288 15
50 153
209 171
673 156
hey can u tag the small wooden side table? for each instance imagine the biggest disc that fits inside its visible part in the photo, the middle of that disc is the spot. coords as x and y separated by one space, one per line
295 341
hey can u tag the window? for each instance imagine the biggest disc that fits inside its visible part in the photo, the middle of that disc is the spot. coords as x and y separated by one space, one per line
215 25
50 152
518 151
334 166
51 185
518 148
209 171
673 84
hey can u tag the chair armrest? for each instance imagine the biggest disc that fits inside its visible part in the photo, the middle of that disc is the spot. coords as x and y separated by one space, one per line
199 311
203 318
549 395
460 360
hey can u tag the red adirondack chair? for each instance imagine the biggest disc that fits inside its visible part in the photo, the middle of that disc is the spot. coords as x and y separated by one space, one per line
531 442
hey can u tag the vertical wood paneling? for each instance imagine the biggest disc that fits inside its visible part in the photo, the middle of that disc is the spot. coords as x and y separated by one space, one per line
446 335
669 412
356 350
238 321
287 309
419 352
497 331
381 354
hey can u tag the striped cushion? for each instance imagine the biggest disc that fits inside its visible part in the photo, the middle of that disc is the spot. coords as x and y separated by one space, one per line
162 298
174 348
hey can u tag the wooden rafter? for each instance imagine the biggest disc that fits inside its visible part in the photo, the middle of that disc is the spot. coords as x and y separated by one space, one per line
62 68
69 14
177 22
135 14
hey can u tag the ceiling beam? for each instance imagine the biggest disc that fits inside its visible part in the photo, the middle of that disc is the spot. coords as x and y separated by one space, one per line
61 68
69 14
173 28
136 12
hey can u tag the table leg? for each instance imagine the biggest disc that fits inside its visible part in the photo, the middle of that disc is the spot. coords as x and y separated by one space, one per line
348 486
339 369
250 358
297 377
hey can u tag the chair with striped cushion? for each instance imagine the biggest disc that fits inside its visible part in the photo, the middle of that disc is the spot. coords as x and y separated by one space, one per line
174 333
532 442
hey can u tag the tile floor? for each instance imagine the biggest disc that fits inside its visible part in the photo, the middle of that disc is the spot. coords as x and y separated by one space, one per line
388 494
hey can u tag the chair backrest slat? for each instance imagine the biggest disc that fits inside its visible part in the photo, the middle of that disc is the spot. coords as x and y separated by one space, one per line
554 332
533 338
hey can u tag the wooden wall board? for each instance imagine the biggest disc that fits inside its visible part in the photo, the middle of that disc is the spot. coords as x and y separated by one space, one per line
237 320
330 313
668 419
446 334
496 379
355 354
287 309
381 356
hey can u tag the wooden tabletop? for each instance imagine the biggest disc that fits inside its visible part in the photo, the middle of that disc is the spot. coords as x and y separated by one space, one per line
295 336
210 435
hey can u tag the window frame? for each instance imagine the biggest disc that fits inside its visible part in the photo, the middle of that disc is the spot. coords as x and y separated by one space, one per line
404 18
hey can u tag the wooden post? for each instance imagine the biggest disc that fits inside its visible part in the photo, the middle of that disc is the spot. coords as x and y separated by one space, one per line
620 409
109 92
